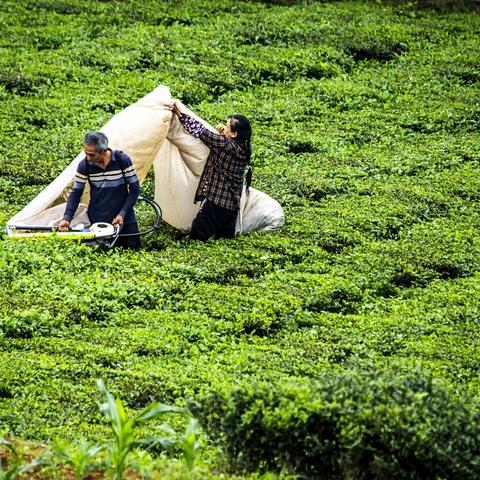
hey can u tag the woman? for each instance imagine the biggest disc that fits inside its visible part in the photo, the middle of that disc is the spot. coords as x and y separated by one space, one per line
221 183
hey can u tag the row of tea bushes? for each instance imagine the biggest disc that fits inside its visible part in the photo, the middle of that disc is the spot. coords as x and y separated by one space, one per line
365 425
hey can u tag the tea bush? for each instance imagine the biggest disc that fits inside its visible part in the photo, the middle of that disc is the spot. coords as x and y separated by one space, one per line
352 425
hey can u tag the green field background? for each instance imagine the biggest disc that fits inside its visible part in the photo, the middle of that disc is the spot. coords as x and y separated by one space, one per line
343 345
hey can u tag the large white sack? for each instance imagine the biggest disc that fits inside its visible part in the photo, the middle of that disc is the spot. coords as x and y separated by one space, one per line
139 130
150 134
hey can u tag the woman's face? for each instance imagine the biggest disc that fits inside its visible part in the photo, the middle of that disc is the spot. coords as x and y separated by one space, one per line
228 130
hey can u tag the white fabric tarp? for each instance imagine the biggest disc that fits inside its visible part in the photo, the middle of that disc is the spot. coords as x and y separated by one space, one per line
151 135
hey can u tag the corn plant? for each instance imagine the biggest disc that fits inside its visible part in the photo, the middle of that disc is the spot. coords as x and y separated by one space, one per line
82 458
190 445
16 464
119 452
187 442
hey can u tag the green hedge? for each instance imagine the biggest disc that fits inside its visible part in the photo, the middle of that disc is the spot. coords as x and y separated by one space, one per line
372 425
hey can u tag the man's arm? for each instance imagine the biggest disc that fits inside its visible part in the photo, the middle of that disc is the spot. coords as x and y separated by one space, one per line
133 188
74 197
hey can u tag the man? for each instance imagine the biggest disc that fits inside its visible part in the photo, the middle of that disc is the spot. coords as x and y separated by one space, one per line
221 183
114 188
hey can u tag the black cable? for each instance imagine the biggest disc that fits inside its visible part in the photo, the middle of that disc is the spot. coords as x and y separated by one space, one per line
158 219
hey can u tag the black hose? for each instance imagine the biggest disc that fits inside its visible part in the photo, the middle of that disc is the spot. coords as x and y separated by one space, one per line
158 219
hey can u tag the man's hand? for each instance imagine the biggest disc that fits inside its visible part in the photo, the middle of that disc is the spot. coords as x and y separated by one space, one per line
118 219
64 226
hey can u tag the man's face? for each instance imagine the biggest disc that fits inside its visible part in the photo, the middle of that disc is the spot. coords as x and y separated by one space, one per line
92 154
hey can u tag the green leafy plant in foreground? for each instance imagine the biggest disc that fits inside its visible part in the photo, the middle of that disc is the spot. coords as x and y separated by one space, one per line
81 458
13 466
84 459
119 452
190 445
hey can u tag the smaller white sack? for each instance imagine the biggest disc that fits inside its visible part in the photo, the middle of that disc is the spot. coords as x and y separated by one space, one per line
178 168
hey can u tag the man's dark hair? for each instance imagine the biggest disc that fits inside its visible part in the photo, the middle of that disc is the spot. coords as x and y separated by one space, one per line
98 139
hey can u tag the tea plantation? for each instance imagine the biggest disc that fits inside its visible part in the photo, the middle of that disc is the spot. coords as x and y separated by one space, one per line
344 345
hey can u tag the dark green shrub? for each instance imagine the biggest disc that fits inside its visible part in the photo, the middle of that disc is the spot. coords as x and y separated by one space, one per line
376 43
27 324
354 425
16 82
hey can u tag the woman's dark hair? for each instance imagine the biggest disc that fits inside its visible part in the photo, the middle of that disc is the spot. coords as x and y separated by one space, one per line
241 126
